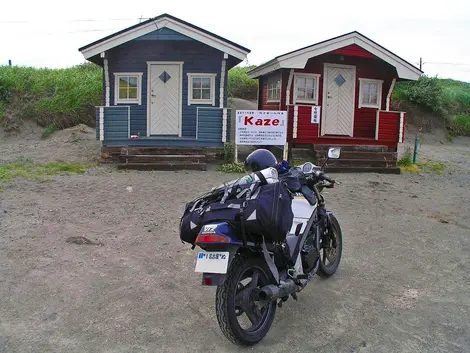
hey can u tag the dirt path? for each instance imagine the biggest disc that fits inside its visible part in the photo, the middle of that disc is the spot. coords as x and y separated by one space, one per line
402 286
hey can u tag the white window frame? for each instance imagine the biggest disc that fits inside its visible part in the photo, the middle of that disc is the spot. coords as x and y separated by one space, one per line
191 100
316 92
379 93
137 100
274 84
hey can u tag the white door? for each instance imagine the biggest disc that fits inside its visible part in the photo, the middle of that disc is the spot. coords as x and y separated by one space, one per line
164 99
339 85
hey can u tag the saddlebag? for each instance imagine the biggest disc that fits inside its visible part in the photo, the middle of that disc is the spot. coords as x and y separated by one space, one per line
262 209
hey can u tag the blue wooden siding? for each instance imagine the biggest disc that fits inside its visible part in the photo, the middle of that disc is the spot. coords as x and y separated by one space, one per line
197 58
164 34
209 125
209 130
116 123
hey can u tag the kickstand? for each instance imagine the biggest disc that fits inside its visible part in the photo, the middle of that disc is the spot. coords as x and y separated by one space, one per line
294 295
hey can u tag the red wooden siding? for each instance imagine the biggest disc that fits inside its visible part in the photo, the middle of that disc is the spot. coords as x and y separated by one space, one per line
354 50
306 131
389 127
364 118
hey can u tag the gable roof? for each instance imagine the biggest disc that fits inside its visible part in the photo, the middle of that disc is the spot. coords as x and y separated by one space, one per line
297 59
164 21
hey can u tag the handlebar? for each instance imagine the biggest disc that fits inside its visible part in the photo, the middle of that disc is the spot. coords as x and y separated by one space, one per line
322 176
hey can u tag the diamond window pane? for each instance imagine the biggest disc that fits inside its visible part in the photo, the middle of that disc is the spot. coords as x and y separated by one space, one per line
340 80
206 93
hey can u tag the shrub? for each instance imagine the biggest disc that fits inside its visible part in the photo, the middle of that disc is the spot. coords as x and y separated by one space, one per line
64 97
239 85
425 93
460 126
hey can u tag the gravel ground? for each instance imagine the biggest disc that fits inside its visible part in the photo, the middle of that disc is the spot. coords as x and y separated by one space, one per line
403 284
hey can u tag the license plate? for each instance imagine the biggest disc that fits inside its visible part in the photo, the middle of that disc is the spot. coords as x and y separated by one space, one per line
212 262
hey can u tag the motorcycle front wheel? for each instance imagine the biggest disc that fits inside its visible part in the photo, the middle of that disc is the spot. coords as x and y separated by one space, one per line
331 249
243 319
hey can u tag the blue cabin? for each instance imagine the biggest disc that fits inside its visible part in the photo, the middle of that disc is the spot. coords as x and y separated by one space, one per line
165 84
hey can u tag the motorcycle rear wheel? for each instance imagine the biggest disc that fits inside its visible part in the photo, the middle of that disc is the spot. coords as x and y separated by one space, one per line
234 299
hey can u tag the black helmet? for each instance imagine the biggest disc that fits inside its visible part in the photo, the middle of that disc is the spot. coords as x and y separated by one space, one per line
260 159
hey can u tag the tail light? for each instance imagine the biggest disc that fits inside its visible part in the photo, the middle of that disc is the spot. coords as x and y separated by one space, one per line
212 238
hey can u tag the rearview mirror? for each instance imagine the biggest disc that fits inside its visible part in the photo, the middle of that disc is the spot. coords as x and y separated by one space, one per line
334 152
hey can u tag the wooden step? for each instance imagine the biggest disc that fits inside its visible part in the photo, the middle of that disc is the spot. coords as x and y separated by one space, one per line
321 155
163 166
353 148
343 162
379 170
145 150
146 158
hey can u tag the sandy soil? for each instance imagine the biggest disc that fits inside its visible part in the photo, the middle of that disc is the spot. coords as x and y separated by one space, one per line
403 284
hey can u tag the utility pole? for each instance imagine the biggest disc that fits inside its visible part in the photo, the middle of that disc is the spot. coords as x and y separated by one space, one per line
421 64
9 63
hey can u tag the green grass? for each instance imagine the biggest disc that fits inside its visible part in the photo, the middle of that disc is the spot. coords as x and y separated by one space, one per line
53 95
28 169
405 161
231 168
460 126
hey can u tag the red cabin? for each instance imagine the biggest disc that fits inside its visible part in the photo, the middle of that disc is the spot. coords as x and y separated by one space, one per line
337 92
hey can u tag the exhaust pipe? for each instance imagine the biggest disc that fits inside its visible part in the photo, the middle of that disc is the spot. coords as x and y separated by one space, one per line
273 292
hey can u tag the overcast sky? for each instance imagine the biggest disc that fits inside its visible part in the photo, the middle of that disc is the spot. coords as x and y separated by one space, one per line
48 33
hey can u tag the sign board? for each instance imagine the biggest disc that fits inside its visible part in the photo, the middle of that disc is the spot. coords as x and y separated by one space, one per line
261 127
316 114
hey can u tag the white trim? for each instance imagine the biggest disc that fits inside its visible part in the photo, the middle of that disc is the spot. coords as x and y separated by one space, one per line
379 93
137 100
389 95
128 122
289 85
106 80
224 125
298 59
191 100
197 121
294 125
317 90
377 123
324 95
172 24
180 112
402 127
222 84
101 123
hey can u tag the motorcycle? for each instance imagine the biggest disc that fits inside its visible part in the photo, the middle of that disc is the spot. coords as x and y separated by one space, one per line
253 279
